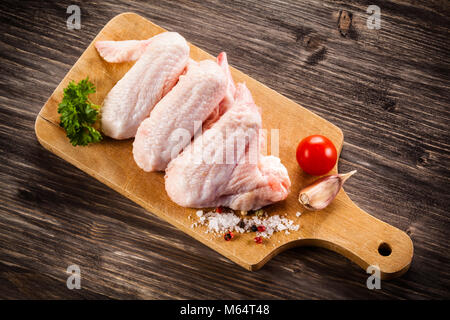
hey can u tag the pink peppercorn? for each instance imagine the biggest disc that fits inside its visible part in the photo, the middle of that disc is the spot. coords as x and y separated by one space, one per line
228 236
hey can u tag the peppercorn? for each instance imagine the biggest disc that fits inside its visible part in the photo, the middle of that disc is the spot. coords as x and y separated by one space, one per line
241 224
261 228
254 228
219 209
258 240
228 236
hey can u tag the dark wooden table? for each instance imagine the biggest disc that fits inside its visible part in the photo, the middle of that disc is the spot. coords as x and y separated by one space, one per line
388 90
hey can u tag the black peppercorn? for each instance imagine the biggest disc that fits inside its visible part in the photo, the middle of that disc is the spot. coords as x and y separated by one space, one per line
254 228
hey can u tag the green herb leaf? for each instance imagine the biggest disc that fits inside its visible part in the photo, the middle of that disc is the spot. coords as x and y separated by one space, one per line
78 113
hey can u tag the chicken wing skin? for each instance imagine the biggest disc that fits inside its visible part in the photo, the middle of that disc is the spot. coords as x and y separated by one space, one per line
122 51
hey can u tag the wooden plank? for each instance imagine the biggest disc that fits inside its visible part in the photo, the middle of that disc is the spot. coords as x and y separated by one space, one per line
341 227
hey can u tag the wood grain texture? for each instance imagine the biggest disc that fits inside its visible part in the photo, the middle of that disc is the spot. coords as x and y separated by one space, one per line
390 88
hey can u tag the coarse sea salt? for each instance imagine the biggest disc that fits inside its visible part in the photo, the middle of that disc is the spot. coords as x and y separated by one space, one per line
220 223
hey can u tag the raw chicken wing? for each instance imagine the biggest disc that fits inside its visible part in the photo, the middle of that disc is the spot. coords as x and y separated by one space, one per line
160 61
224 167
179 115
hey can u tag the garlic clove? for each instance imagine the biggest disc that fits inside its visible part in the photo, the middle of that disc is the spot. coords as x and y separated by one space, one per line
322 192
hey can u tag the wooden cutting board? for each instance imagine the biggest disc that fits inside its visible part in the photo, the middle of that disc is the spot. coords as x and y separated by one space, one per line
341 227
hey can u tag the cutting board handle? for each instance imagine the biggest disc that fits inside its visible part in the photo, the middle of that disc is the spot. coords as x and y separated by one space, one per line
365 239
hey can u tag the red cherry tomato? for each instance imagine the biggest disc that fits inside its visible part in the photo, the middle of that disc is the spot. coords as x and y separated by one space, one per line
316 155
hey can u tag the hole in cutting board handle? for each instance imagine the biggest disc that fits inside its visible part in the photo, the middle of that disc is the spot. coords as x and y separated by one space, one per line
384 249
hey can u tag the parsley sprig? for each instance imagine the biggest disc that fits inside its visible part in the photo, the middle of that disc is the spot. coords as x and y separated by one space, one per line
78 113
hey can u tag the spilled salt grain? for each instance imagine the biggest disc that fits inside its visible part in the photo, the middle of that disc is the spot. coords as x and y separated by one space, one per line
298 214
220 223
